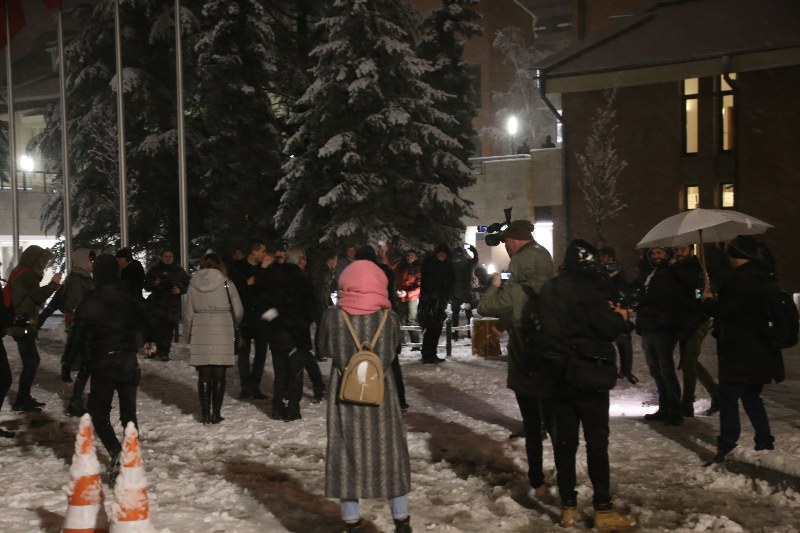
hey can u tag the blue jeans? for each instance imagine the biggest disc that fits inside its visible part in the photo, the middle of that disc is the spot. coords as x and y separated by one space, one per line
658 348
398 505
729 424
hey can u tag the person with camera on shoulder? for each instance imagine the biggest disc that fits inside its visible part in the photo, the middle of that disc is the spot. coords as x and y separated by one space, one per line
531 266
578 330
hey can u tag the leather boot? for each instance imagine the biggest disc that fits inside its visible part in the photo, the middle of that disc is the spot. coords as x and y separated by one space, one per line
403 526
217 395
613 520
569 515
204 392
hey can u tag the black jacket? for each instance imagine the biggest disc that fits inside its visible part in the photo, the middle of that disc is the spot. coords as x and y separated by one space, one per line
436 288
289 291
744 355
133 278
663 302
574 308
253 299
107 320
160 279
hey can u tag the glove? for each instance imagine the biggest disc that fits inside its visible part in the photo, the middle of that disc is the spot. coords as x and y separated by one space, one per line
270 314
66 377
631 378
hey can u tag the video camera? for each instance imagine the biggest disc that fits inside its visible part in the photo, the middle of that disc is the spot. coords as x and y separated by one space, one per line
493 231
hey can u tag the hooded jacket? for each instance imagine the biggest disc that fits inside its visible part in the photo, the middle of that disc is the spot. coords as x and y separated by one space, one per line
531 266
27 296
79 280
209 318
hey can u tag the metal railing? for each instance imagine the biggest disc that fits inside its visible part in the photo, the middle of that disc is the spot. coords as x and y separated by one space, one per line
31 181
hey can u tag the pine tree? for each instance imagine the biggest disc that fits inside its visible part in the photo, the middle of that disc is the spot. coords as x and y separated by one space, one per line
236 145
444 32
369 161
92 123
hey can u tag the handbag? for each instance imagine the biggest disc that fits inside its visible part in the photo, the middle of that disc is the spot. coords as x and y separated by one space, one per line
237 337
592 366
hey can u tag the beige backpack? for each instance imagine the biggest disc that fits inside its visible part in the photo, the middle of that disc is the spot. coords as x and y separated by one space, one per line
362 379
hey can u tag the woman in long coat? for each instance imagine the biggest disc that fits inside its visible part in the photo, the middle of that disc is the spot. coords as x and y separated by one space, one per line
367 454
211 312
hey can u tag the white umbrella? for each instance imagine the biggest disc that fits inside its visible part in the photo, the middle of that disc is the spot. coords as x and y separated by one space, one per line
702 225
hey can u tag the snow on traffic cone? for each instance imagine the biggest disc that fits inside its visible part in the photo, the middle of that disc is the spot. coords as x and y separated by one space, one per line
130 510
85 510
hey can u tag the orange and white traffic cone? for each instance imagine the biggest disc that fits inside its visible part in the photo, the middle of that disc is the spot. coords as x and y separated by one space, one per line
131 510
85 510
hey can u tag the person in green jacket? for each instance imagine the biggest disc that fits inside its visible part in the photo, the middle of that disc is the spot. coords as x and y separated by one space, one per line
531 267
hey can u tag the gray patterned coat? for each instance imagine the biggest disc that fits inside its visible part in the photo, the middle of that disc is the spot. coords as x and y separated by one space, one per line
367 454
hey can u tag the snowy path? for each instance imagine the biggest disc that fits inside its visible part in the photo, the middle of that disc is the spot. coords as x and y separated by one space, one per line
251 473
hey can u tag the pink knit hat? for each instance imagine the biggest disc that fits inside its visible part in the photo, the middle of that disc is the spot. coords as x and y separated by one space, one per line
363 288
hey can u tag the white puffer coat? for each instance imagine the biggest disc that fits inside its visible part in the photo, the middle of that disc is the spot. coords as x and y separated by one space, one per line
208 323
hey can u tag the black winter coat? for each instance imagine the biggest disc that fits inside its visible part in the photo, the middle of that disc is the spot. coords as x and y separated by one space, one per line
107 320
744 355
133 278
574 308
252 296
289 291
160 279
436 290
663 302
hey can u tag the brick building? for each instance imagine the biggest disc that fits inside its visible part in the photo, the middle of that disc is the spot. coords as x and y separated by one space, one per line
706 112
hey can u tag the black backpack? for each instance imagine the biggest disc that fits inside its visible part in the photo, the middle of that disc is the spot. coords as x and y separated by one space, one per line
781 324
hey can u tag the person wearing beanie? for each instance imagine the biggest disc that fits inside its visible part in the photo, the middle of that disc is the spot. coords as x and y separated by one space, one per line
531 267
747 361
579 319
25 295
105 326
367 453
436 290
663 304
79 282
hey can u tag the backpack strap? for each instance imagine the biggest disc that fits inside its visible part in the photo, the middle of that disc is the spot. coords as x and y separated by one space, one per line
353 331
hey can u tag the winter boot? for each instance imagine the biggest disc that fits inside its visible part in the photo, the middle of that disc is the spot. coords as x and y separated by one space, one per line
713 408
292 412
217 395
403 526
319 394
75 407
204 392
569 515
613 520
687 408
278 410
113 469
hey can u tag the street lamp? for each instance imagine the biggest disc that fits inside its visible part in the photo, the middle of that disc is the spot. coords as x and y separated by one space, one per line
26 163
512 127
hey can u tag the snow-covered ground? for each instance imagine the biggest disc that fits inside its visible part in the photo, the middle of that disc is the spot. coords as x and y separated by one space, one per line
251 473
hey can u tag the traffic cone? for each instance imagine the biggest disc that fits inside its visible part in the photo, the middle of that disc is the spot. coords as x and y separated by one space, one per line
85 510
131 510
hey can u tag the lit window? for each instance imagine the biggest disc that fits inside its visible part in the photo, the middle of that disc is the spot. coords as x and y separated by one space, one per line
690 100
692 196
726 103
728 198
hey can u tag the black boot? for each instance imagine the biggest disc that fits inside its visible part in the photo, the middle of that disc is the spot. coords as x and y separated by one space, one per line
217 395
403 526
713 408
75 407
204 391
319 394
353 528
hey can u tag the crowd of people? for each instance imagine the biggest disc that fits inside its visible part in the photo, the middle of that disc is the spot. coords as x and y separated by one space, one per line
569 340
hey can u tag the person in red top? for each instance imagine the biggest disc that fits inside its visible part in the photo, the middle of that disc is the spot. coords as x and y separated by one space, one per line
407 284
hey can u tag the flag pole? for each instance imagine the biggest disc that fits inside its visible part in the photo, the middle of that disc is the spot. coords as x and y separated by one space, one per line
12 142
123 181
65 175
182 195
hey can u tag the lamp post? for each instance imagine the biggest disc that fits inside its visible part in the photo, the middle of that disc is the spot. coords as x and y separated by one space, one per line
512 127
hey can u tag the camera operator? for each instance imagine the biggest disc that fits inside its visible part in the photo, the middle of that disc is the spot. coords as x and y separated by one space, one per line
622 293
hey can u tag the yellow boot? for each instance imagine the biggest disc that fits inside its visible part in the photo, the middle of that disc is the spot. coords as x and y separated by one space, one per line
612 520
568 516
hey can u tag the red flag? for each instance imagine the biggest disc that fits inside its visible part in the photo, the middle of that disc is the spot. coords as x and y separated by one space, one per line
16 19
52 4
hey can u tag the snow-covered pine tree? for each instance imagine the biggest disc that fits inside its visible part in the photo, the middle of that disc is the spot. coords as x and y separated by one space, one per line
148 79
600 166
369 161
442 42
236 148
